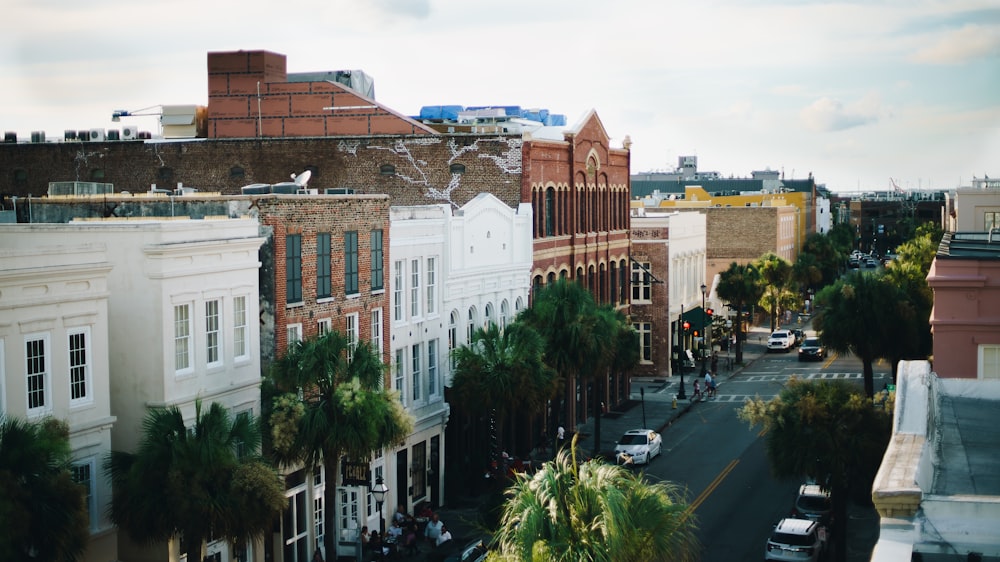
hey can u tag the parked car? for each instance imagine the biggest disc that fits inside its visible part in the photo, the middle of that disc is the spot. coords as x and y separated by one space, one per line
799 540
474 551
812 350
781 340
638 446
813 503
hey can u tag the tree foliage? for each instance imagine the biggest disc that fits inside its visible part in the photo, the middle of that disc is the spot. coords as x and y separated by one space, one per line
775 273
739 285
824 430
568 511
334 402
44 512
199 482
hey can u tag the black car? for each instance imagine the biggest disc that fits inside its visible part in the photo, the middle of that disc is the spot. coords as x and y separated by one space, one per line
812 350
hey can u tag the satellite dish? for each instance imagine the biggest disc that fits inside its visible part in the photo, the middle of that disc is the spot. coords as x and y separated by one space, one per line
302 179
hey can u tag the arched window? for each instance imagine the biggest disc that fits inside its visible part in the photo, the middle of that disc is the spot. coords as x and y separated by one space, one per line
504 314
457 168
550 212
489 315
613 275
453 321
237 173
551 278
473 321
518 305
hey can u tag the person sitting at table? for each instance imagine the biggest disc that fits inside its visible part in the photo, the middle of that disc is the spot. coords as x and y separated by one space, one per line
401 516
395 531
376 546
410 541
433 529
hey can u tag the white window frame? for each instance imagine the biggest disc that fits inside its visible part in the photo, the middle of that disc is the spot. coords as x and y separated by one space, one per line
504 314
399 372
488 319
645 351
397 291
44 374
293 333
642 286
473 320
415 288
319 511
377 332
432 368
453 320
241 328
213 332
90 465
84 367
431 285
988 367
415 372
353 332
183 339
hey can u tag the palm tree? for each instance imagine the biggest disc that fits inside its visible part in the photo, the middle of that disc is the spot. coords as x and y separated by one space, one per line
44 512
775 272
567 512
739 286
336 404
860 314
198 482
824 430
502 371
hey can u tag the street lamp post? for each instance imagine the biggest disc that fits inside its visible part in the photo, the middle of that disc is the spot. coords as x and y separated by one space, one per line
681 394
379 490
704 348
642 394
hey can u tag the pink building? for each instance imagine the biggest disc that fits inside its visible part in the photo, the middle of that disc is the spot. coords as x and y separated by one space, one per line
965 321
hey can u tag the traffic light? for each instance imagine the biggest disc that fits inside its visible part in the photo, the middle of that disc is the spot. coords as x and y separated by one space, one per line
696 333
710 312
687 326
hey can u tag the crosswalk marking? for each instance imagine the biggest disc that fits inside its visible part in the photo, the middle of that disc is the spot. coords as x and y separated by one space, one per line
767 377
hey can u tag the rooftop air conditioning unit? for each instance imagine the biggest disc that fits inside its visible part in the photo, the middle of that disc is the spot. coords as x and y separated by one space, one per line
97 135
306 191
130 132
69 135
339 191
10 136
83 135
114 134
37 136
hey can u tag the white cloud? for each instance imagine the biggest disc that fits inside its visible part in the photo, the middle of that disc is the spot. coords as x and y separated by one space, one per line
970 42
828 114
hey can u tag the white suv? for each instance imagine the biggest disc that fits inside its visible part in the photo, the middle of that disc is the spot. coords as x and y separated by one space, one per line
798 540
781 340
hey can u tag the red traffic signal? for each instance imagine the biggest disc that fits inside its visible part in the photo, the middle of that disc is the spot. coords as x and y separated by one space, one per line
696 334
710 312
687 325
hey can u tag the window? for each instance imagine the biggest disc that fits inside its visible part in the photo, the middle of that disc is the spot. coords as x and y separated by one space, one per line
352 333
79 367
419 469
415 351
240 350
991 220
212 340
397 292
641 286
319 490
431 285
293 268
414 288
323 289
377 332
82 473
457 168
387 170
400 373
488 320
452 337
989 362
37 371
323 326
471 328
236 173
376 251
432 359
182 337
550 212
351 262
504 314
645 341
293 332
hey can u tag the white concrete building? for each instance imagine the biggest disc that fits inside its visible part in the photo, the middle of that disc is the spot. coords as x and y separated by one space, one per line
54 355
182 298
450 271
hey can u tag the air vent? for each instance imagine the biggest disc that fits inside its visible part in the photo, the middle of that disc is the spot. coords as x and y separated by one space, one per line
339 191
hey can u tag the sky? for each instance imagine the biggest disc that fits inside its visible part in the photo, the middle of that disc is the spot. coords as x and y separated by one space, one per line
857 93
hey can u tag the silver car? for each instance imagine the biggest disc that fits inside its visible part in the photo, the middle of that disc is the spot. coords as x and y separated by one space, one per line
638 446
796 540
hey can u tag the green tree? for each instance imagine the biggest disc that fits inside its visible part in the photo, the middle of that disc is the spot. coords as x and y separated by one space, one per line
576 335
819 262
568 511
739 286
44 512
842 236
199 482
858 314
503 372
335 404
825 430
775 273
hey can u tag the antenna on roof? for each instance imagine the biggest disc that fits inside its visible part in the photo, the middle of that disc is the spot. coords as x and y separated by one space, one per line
302 179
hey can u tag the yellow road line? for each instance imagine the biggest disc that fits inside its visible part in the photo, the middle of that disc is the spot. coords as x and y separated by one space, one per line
711 487
830 359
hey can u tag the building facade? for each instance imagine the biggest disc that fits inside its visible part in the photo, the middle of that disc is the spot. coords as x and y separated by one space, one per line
54 356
